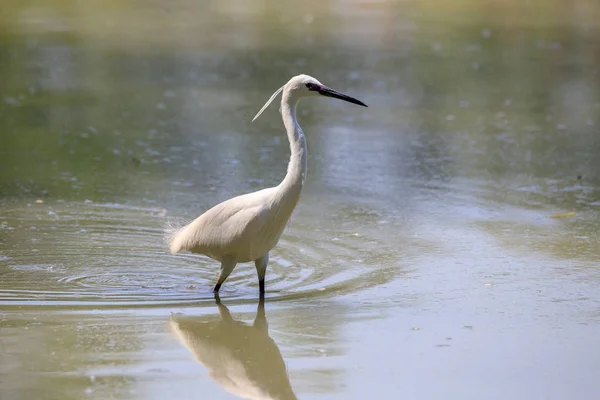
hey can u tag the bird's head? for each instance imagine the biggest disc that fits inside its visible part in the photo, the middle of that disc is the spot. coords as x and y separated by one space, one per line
306 86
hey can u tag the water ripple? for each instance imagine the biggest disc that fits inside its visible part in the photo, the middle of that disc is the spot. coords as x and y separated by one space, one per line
107 255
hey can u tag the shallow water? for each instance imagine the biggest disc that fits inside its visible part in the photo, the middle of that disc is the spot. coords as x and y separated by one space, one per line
446 243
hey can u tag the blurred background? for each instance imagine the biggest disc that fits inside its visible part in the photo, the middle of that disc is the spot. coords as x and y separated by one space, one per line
91 88
446 242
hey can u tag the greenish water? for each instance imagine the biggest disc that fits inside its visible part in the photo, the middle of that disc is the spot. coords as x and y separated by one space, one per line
446 243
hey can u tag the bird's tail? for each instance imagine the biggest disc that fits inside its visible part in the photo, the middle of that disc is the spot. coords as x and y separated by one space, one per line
172 235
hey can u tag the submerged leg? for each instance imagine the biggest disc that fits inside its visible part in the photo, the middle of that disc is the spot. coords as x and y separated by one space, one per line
260 321
227 265
224 314
261 269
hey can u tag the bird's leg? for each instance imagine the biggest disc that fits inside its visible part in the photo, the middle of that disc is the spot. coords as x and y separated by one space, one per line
217 298
227 265
261 269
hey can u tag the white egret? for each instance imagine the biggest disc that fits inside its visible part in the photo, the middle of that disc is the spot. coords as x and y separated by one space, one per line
245 228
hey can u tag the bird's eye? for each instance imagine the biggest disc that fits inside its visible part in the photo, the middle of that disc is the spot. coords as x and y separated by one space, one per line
310 86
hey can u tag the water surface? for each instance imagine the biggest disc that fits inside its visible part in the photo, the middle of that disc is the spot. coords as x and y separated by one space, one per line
445 246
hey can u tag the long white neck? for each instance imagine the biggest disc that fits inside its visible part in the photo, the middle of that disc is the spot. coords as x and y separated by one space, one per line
296 172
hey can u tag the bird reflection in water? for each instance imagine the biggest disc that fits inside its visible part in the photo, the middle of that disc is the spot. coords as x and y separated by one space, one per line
240 357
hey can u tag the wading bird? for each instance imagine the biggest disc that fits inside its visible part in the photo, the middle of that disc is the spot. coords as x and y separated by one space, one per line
245 228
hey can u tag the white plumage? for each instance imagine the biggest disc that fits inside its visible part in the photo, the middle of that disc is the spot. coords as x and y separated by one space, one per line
245 228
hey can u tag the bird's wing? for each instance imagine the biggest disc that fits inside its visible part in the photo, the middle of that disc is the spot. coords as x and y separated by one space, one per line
226 224
237 218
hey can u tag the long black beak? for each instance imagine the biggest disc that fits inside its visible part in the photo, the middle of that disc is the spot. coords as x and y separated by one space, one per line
325 91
